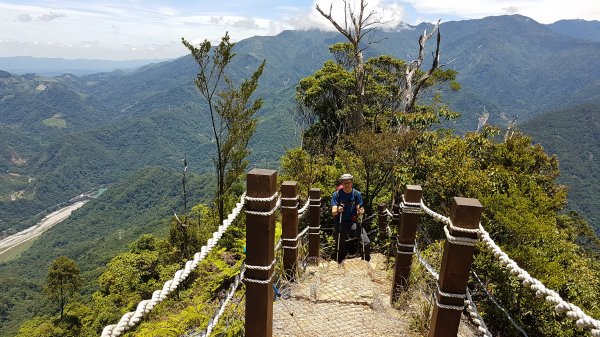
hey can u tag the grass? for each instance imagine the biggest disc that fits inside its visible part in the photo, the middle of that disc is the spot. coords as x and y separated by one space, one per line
60 123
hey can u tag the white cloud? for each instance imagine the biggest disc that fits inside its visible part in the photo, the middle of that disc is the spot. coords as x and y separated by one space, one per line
51 16
24 18
153 29
388 13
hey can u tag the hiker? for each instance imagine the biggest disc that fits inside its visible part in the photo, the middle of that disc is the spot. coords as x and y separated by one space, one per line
347 207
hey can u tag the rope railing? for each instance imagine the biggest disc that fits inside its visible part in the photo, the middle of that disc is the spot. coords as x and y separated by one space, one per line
471 308
241 277
214 320
582 320
302 210
131 319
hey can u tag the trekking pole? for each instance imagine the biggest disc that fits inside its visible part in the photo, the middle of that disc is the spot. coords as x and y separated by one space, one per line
337 250
359 228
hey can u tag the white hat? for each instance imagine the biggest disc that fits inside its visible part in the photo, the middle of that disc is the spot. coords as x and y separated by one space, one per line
346 176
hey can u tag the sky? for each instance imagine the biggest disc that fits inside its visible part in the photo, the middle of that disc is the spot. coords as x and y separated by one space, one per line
135 29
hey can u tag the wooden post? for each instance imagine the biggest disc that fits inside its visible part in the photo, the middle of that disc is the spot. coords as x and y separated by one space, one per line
314 209
260 237
381 222
289 227
407 229
456 264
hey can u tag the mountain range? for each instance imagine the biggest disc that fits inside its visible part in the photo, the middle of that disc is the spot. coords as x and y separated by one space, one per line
65 134
56 66
69 133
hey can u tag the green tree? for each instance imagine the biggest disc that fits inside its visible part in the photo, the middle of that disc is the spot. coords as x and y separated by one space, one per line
357 25
231 112
63 280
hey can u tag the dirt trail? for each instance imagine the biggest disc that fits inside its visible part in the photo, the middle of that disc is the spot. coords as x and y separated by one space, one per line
46 223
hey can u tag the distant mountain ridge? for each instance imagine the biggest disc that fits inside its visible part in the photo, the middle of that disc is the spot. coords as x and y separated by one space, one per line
574 136
57 66
510 65
65 134
579 29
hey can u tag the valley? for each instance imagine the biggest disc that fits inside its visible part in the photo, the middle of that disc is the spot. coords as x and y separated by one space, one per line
50 220
61 134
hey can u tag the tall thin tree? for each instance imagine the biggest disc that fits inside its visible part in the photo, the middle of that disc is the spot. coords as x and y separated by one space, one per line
231 111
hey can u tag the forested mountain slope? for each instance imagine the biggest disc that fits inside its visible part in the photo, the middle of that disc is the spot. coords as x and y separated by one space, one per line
574 136
141 204
63 135
508 65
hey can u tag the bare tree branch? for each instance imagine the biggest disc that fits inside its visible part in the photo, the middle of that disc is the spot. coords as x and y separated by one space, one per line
411 88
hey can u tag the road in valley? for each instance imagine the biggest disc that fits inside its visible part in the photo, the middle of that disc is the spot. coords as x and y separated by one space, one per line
46 223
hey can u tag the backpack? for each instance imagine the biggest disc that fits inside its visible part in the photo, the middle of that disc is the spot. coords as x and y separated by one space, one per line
352 198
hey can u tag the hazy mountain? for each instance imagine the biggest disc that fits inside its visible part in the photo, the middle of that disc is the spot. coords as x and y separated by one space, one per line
92 235
574 136
62 135
579 29
82 131
57 66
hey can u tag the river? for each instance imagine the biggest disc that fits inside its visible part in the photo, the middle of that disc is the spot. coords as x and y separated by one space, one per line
45 224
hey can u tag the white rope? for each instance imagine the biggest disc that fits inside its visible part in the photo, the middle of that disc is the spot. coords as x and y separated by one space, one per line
561 306
291 247
290 199
450 295
268 213
309 203
404 245
463 230
131 319
387 211
482 328
450 238
215 319
434 215
304 231
300 235
448 306
457 240
271 198
263 268
302 210
476 318
251 280
278 245
315 205
410 207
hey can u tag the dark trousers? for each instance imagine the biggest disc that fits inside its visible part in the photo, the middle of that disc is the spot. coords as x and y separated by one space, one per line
341 235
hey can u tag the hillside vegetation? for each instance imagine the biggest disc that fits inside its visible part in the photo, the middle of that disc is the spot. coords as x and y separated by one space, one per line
92 236
574 136
508 65
117 125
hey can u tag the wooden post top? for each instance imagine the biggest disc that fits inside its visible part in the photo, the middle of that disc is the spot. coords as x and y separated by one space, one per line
289 189
413 193
261 183
314 193
466 212
381 208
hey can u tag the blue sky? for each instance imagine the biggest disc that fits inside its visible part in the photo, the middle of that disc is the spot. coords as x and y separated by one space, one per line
135 29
